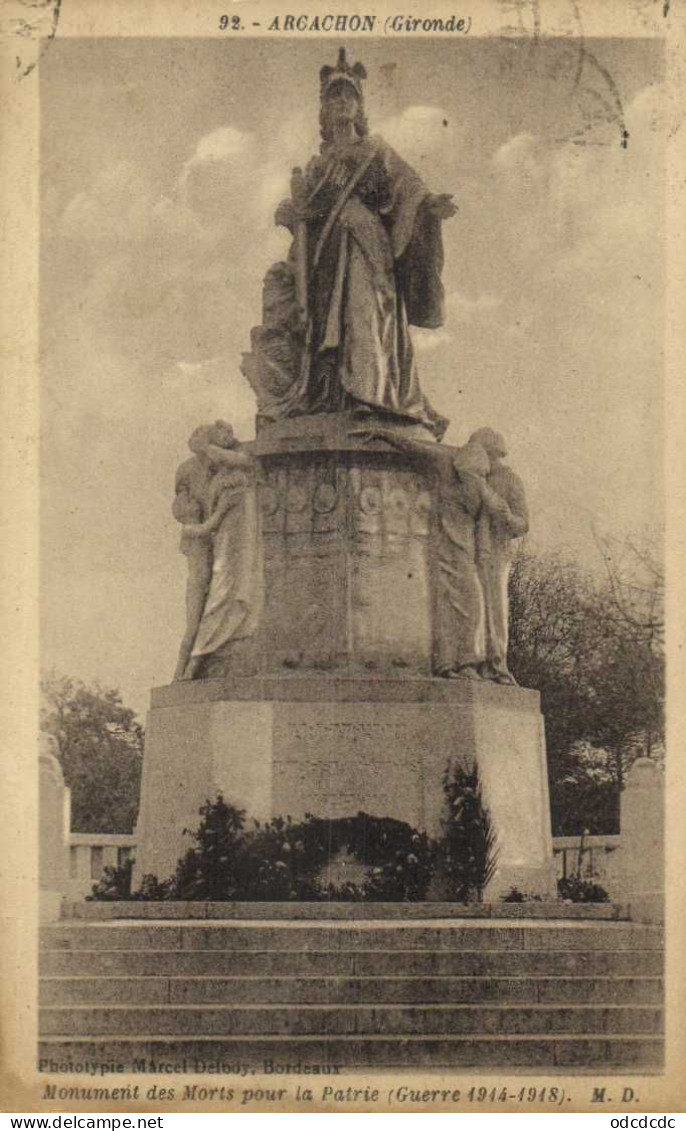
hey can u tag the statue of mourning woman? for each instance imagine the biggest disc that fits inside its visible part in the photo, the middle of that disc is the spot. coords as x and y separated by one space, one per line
481 510
503 517
216 504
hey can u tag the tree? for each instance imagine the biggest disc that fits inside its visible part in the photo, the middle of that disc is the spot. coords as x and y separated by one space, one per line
584 795
551 608
593 648
100 746
630 719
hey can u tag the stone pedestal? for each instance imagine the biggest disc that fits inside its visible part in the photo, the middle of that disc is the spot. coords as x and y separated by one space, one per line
53 841
333 746
347 529
642 826
330 708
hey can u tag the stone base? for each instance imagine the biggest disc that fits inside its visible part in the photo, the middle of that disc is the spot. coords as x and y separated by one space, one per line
285 911
349 531
647 907
333 747
50 905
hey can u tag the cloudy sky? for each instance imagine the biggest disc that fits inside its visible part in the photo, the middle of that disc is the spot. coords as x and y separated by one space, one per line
162 162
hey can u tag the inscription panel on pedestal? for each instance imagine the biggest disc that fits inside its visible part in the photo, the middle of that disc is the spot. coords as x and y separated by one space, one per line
386 759
334 766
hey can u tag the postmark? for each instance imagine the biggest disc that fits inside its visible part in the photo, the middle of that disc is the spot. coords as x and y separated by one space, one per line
31 25
569 61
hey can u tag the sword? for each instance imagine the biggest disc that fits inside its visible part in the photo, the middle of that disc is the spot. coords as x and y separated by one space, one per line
299 195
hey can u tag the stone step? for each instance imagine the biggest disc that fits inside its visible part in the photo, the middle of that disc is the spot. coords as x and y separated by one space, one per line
387 992
347 963
130 1020
283 1058
365 935
349 990
95 911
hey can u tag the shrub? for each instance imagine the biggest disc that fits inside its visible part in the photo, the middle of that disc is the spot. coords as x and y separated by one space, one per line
210 870
581 891
115 883
152 889
282 860
407 872
514 895
467 850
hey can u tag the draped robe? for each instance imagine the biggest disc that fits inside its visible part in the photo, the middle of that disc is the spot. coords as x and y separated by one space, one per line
495 543
374 259
459 601
234 601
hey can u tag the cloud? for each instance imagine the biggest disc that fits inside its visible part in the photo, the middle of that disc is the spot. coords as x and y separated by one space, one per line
464 310
222 144
582 216
113 211
608 199
461 310
215 182
156 276
580 235
427 341
425 134
176 274
522 158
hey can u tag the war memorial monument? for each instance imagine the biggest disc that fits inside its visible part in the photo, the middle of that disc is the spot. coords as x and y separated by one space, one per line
347 588
346 646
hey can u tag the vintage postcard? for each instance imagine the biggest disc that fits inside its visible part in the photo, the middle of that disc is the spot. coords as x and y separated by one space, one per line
342 480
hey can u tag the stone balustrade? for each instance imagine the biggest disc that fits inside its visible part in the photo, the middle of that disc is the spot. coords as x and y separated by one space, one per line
629 866
90 854
596 858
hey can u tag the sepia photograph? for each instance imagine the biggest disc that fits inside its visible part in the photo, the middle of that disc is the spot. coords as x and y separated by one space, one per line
351 724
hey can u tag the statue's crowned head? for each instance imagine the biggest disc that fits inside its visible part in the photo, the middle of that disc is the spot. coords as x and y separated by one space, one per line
341 94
